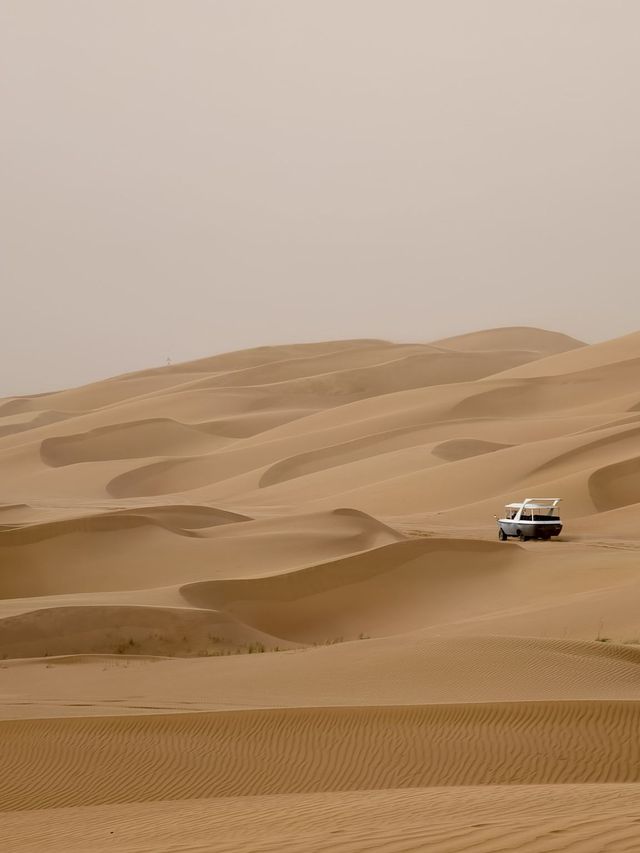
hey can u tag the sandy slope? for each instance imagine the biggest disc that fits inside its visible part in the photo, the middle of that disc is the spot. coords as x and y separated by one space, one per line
416 669
275 572
140 758
575 818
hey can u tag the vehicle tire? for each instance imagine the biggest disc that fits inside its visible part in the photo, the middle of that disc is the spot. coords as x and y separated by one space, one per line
502 536
522 537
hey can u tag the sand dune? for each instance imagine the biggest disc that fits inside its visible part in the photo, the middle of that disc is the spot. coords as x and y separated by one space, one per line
258 356
259 597
396 587
539 342
120 629
616 485
126 441
302 750
179 519
401 373
415 669
111 551
317 364
437 583
617 523
485 819
459 587
609 353
27 421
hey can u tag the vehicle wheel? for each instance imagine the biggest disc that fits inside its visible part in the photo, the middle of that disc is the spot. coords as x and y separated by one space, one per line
522 537
502 536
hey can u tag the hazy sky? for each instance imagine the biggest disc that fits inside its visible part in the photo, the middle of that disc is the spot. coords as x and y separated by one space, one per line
182 178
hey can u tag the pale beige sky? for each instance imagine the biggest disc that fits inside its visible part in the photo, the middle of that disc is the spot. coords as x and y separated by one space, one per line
182 178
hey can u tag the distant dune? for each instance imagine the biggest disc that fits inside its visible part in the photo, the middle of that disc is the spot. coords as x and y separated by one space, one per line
260 596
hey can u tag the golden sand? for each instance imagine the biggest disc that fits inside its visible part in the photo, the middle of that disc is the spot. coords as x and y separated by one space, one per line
257 602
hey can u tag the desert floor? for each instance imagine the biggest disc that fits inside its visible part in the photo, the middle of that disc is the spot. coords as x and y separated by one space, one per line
257 602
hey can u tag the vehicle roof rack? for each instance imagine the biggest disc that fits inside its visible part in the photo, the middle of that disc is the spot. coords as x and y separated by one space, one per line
535 503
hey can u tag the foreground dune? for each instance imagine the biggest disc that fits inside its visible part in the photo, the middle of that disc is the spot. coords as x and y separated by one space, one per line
415 669
256 601
302 750
573 818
